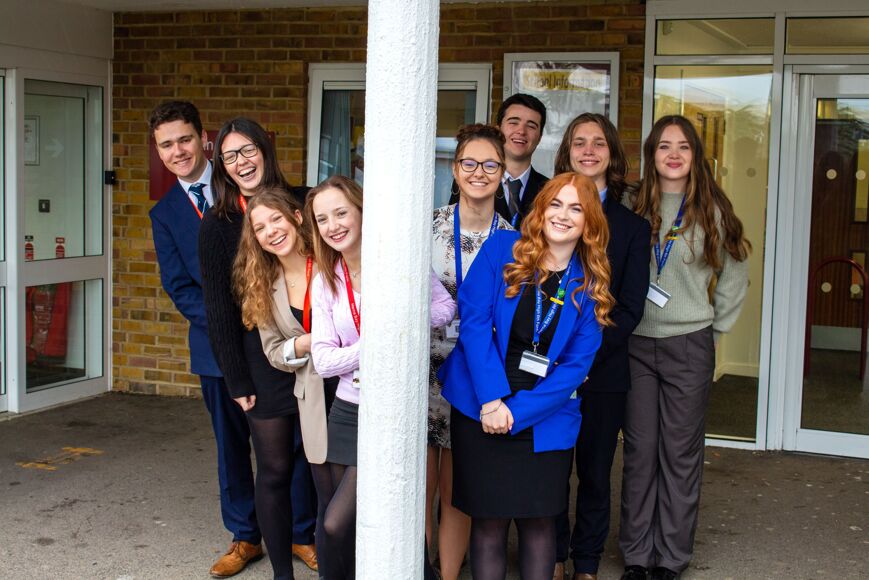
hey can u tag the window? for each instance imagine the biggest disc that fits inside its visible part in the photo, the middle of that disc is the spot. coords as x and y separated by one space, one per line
337 119
720 36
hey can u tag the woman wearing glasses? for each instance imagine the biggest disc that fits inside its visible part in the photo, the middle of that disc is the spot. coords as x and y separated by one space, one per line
246 164
532 309
458 232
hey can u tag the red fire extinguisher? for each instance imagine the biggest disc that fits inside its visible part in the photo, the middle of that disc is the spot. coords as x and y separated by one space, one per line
59 251
28 248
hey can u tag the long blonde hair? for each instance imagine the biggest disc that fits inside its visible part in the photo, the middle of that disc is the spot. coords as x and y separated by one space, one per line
530 251
325 255
255 270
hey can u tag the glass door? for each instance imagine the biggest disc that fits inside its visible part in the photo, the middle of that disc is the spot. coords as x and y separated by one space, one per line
831 410
61 266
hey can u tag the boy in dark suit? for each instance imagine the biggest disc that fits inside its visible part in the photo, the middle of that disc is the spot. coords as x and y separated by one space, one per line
591 146
175 219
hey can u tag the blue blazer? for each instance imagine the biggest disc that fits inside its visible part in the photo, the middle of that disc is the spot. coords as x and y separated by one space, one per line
474 372
175 225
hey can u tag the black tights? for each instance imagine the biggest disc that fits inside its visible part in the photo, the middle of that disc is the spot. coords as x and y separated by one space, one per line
489 548
336 520
273 443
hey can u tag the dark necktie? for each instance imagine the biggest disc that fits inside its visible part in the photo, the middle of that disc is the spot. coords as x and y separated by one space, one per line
513 186
201 202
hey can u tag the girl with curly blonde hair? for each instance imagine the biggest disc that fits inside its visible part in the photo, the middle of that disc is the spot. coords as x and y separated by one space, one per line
533 306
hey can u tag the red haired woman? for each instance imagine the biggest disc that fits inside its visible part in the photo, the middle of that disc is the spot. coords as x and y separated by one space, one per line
532 310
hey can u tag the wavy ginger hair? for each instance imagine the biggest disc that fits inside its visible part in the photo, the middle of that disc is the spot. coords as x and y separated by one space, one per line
529 251
255 270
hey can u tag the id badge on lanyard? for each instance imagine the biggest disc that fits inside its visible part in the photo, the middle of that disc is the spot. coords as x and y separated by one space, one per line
656 294
532 361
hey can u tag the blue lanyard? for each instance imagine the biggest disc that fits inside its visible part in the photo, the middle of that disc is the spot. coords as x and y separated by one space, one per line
457 242
661 260
557 300
515 219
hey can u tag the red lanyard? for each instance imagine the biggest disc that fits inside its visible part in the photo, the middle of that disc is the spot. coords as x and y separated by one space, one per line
242 202
306 312
353 310
193 203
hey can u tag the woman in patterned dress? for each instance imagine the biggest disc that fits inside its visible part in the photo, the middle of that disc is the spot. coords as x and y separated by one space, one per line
478 169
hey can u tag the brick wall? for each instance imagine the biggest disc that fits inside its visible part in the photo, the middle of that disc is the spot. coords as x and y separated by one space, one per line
255 63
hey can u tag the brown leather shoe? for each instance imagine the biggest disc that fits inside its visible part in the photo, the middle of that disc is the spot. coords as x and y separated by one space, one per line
307 553
558 573
239 555
584 576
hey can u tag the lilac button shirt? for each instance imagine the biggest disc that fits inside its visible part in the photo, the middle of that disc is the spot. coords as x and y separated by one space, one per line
334 340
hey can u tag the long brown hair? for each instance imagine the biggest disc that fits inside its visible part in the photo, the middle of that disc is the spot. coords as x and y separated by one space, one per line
618 164
703 197
225 187
325 255
530 251
255 270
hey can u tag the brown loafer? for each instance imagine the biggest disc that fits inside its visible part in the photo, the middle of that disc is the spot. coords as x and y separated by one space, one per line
239 555
558 573
584 576
307 553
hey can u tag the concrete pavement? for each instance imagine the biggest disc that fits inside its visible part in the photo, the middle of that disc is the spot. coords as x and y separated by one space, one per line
124 487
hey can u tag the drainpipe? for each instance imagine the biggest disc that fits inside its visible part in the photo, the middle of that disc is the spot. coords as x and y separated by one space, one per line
400 113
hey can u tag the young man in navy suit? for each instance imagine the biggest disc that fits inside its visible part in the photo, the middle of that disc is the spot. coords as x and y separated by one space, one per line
521 119
175 219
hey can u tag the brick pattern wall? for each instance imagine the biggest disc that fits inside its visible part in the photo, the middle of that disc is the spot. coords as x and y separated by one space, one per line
255 63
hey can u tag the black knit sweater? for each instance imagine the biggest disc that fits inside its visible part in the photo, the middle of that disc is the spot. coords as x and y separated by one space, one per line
239 353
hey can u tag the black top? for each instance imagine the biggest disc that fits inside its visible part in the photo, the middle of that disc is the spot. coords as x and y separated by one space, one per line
238 351
522 332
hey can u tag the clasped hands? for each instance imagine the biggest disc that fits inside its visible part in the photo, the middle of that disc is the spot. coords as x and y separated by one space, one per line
496 418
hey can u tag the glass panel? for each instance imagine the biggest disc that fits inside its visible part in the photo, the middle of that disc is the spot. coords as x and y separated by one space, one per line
63 333
827 36
730 107
835 386
724 36
342 135
63 136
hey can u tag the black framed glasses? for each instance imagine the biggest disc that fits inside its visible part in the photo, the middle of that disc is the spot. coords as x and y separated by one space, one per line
470 165
231 157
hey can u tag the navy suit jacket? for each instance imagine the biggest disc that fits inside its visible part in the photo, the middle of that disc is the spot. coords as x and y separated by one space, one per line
628 253
536 181
175 225
474 373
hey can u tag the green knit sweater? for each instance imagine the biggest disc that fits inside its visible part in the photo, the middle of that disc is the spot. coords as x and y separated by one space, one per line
686 277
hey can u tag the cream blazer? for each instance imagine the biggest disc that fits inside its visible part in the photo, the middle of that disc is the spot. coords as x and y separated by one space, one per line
309 385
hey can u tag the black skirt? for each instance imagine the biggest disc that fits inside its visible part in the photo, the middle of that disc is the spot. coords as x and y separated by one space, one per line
343 428
500 476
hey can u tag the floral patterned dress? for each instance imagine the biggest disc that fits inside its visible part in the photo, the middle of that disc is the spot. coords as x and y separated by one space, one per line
444 265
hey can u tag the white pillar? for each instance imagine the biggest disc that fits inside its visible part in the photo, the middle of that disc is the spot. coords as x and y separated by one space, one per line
400 114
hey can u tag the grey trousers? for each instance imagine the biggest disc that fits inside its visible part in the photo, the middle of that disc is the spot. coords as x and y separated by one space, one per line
664 440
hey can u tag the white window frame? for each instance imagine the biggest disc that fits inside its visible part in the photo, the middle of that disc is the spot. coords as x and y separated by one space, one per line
351 76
